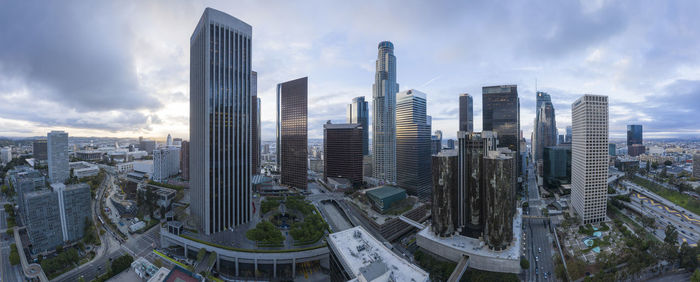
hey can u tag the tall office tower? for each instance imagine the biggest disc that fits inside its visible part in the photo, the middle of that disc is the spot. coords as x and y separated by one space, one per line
220 124
589 157
166 163
611 149
185 160
471 209
567 137
358 112
40 150
291 132
342 151
499 172
168 141
57 150
450 144
696 165
384 113
445 193
413 144
466 113
545 130
561 139
501 114
255 128
436 143
635 140
634 134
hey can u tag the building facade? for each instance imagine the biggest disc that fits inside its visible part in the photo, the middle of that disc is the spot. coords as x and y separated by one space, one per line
436 143
413 144
473 146
545 131
696 165
185 160
220 134
499 183
57 150
256 122
292 142
342 151
501 114
39 150
358 112
166 163
384 113
466 113
557 166
589 157
634 134
5 155
445 193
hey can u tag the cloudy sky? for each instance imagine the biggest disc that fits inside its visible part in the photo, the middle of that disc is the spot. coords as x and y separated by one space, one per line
121 68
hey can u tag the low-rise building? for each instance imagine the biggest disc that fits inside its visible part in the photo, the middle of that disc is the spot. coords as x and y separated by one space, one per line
89 155
83 169
384 197
166 163
355 255
125 167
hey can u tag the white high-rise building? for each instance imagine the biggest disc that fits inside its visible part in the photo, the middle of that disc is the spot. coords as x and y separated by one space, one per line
5 155
384 114
166 163
589 157
57 150
220 122
169 141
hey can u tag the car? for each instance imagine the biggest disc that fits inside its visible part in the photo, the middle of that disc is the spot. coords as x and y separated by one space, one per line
537 258
539 250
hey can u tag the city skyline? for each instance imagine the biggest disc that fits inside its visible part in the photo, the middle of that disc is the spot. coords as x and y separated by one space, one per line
142 88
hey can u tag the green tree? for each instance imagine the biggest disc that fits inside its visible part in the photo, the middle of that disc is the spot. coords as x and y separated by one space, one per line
201 253
120 264
668 162
524 263
671 235
696 276
14 255
648 221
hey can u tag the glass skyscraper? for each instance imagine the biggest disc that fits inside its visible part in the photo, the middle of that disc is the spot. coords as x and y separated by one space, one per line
466 113
384 113
57 151
358 112
501 114
292 139
634 134
545 125
413 144
220 122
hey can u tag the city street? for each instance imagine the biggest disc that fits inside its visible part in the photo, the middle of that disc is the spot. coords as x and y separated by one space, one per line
538 246
7 271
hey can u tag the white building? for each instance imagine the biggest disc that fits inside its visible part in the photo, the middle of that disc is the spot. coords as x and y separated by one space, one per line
125 167
589 157
169 141
5 155
166 163
355 255
57 150
83 169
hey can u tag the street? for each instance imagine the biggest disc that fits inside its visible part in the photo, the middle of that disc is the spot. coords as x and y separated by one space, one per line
538 240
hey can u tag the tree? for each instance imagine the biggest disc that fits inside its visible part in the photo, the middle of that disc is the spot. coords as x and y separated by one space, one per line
14 255
668 163
121 263
671 235
696 276
654 165
59 249
201 253
524 263
648 221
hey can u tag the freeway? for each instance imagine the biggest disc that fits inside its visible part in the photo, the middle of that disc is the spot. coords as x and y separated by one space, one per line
536 235
686 226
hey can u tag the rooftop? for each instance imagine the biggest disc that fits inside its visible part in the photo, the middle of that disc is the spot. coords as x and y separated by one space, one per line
384 191
364 255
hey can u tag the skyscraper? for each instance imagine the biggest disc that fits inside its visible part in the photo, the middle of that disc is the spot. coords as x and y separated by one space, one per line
413 144
292 132
696 165
635 141
473 146
466 113
185 160
166 163
436 143
255 128
589 150
220 123
444 195
168 141
358 112
40 150
634 134
499 172
57 149
501 114
383 113
342 149
567 137
545 125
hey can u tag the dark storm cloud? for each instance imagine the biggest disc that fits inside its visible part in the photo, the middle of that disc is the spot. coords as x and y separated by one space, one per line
77 56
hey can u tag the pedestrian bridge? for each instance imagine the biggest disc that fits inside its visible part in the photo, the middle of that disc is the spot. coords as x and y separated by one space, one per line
412 222
459 270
